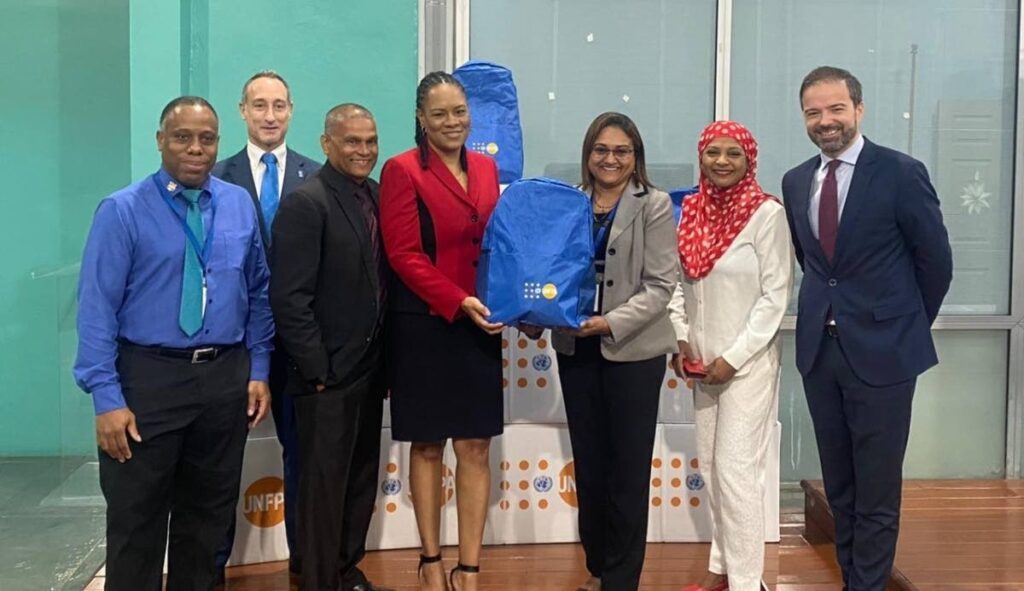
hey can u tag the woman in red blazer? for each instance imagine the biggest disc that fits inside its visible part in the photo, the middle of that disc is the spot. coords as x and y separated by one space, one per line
444 358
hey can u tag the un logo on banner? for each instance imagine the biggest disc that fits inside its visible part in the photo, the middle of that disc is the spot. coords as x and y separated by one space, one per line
543 484
541 362
695 481
391 486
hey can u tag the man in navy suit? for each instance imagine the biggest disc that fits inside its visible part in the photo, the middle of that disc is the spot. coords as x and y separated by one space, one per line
875 254
269 171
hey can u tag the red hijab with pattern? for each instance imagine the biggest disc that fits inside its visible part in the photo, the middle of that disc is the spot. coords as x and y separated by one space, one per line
713 217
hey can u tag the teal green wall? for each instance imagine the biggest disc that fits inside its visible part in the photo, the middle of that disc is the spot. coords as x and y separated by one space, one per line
83 86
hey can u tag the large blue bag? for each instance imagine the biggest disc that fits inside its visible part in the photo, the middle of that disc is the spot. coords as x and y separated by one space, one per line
677 196
537 258
494 109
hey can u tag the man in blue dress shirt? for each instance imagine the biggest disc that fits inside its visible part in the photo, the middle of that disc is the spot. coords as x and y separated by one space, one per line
175 335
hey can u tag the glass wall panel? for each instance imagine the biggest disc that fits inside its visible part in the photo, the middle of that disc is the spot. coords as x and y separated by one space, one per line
958 429
651 59
939 81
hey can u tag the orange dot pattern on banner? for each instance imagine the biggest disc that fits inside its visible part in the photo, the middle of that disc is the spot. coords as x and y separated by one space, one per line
522 382
504 363
504 343
524 465
505 485
263 502
694 463
504 382
656 462
542 344
392 467
656 483
676 483
543 464
694 502
541 382
677 463
504 504
656 501
524 485
672 383
676 501
543 503
524 504
391 507
505 465
522 343
522 363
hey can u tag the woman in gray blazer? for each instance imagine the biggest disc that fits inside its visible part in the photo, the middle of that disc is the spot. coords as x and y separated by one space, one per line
612 368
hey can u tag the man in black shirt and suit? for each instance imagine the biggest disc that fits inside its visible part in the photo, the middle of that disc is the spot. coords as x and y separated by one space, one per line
328 296
269 171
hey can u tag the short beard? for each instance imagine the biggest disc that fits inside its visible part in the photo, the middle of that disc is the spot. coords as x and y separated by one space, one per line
846 136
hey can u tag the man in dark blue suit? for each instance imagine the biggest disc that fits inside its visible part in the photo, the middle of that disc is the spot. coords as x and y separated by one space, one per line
269 171
875 254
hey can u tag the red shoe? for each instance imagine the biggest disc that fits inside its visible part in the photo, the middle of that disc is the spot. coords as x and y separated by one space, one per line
723 586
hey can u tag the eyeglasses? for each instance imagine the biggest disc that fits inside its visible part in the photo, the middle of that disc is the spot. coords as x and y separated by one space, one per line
619 153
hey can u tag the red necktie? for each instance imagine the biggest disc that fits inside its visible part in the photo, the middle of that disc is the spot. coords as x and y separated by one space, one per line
828 212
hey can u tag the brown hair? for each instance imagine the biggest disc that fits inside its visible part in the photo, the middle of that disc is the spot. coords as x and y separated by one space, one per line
833 74
265 74
613 119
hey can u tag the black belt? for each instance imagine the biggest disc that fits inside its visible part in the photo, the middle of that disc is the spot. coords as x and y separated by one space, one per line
197 355
832 330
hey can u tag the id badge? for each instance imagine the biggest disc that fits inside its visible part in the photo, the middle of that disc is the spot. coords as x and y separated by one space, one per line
202 311
598 294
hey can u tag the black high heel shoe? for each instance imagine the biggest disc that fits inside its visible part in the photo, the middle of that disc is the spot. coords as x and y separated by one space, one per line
427 560
461 567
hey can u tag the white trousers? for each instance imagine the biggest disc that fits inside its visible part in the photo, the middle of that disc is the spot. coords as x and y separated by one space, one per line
734 431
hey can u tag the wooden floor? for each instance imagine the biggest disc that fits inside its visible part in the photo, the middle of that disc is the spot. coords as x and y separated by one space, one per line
954 534
791 565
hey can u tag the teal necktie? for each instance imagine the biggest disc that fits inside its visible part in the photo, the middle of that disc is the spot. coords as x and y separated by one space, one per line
190 316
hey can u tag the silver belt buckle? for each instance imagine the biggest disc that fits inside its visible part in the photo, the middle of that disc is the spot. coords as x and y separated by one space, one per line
200 352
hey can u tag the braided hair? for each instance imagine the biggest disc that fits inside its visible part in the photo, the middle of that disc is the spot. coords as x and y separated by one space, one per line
426 84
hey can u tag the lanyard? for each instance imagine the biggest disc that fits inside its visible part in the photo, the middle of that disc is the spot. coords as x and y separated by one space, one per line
203 254
602 229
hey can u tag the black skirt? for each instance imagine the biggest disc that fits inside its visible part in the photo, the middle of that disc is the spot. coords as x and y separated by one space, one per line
445 379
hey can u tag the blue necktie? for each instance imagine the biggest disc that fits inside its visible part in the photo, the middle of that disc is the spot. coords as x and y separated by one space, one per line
190 314
269 198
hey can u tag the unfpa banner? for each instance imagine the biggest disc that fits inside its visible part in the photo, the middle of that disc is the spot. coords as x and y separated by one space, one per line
533 491
533 494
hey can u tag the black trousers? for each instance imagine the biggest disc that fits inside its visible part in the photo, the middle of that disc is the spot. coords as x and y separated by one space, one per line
282 407
612 411
192 420
339 451
862 433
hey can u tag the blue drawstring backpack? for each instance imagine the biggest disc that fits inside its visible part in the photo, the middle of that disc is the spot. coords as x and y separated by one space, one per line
537 258
494 109
677 196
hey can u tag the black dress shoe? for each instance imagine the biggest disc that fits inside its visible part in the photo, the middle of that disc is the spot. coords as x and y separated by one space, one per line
368 586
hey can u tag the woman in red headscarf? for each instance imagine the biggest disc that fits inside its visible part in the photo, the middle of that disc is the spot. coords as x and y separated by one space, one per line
735 249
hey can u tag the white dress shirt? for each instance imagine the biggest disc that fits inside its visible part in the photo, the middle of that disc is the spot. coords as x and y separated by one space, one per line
844 173
259 169
735 311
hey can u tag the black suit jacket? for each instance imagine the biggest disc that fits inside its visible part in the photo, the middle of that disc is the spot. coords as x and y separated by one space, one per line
237 170
323 288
